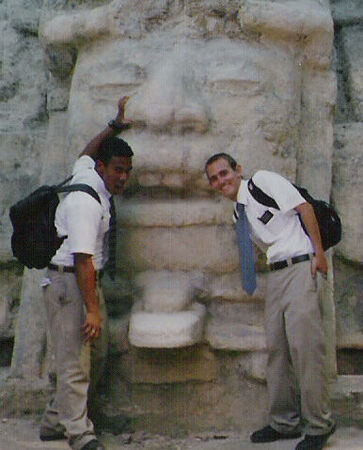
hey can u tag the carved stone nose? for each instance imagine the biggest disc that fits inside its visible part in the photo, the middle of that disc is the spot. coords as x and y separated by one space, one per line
169 99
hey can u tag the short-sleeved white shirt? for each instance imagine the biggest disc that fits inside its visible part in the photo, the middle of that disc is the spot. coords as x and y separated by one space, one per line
282 236
80 217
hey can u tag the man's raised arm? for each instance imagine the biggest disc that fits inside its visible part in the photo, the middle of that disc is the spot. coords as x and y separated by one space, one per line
113 128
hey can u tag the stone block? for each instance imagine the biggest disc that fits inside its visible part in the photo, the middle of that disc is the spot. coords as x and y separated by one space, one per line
10 284
347 187
347 12
28 354
4 314
167 330
255 366
349 304
196 363
316 133
57 95
118 329
228 286
174 213
19 174
352 43
249 313
286 20
201 248
235 336
350 340
347 398
166 291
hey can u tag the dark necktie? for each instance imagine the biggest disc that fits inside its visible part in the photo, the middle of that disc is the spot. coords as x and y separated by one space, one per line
245 251
111 263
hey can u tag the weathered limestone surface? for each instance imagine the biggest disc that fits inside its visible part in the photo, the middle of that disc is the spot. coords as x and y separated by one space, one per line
347 188
348 173
252 78
347 12
167 329
191 363
352 43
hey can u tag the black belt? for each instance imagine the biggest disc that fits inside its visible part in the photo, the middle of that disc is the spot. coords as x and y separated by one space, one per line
71 269
288 262
68 269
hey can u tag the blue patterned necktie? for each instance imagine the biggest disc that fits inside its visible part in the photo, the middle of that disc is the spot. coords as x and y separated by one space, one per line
111 262
245 251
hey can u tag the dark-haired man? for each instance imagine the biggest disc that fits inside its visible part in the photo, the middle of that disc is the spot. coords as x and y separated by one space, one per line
76 314
294 330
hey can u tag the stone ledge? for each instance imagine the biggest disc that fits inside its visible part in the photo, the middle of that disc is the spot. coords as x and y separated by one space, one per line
347 399
19 397
350 341
347 386
167 330
175 213
235 336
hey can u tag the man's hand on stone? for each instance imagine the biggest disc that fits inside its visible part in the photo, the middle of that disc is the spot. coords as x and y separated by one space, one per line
120 118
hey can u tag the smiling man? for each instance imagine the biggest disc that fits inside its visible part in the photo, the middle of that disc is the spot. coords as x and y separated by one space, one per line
76 313
293 322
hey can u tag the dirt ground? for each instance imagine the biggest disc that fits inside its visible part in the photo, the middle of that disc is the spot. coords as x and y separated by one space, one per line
22 434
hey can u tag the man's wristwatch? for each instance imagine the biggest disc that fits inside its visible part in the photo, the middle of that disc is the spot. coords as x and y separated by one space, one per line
116 126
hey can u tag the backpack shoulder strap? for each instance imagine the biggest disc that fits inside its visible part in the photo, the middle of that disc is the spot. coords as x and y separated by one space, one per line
79 187
260 196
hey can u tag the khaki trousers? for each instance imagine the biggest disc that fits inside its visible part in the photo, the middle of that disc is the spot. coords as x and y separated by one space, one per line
67 411
296 349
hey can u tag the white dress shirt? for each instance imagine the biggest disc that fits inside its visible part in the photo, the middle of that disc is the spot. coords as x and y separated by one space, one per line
282 236
80 217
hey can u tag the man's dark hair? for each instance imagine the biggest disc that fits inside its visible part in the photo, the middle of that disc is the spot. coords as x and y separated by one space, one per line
113 146
231 161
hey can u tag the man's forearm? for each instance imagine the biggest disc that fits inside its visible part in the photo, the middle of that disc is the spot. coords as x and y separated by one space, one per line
86 280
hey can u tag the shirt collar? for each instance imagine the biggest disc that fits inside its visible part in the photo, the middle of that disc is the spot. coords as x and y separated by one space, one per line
101 187
85 172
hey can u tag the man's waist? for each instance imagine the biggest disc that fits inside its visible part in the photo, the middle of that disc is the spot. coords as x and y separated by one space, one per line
282 264
71 269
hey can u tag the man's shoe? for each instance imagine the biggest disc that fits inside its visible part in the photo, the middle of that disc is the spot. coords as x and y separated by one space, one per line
268 434
117 424
46 435
93 445
313 442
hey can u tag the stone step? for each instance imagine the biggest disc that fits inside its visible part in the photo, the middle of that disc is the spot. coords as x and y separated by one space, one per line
235 336
347 399
167 330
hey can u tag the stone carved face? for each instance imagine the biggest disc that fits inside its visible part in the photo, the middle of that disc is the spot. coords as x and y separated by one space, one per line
190 97
199 84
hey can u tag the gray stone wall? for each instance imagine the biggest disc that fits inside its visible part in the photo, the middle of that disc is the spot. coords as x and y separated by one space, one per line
348 176
23 124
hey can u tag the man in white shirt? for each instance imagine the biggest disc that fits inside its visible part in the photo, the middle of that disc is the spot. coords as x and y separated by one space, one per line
76 314
293 323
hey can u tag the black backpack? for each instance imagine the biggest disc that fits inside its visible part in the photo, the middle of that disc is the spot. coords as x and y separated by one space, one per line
328 220
34 240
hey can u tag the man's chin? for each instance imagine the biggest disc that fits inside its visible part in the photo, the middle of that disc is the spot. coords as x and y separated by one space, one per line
227 193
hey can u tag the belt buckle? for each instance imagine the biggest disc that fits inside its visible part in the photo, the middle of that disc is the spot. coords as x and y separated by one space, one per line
289 262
